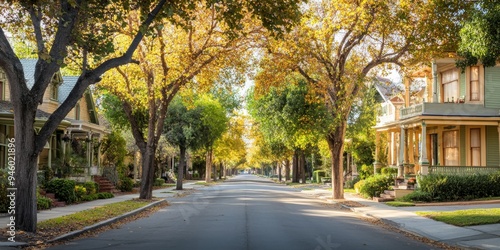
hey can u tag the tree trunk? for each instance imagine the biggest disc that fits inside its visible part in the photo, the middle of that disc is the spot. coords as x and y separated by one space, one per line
221 168
287 170
25 163
148 171
279 171
208 166
180 169
336 145
302 166
295 167
225 171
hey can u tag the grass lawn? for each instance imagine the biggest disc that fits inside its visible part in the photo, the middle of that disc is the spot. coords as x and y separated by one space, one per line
469 217
89 217
400 204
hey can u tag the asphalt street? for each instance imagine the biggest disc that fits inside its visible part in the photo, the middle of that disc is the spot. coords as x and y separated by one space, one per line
248 212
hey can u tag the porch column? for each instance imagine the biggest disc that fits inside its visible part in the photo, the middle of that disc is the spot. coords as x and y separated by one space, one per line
423 161
376 164
434 82
402 148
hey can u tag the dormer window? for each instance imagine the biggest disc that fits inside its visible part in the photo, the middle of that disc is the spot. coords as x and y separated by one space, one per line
54 87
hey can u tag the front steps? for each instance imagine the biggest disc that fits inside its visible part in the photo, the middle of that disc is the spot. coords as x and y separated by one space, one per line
399 190
104 184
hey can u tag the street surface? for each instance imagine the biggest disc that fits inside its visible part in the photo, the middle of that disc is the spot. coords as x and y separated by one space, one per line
248 212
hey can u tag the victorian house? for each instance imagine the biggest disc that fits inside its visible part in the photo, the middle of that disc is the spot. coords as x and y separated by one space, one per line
73 148
449 124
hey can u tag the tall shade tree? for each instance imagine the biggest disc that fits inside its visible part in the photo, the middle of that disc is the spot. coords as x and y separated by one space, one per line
292 117
214 124
230 149
192 51
338 43
88 27
183 127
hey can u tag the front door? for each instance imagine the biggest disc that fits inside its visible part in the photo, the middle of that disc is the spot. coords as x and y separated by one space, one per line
434 149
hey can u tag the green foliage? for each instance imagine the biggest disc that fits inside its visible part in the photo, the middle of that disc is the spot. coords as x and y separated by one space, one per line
349 184
183 126
63 189
91 187
125 184
43 203
375 185
416 196
4 184
365 171
105 195
89 197
460 187
79 192
388 170
158 182
292 116
213 118
317 174
114 149
362 118
480 36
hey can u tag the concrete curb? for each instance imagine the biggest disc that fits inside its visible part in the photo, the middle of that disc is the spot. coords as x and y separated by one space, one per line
98 225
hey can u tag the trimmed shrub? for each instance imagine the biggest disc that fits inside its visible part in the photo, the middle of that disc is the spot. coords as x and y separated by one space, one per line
351 183
416 196
91 187
375 185
63 189
358 185
104 195
389 170
196 175
89 197
159 182
4 184
126 184
80 191
365 172
317 174
43 203
460 187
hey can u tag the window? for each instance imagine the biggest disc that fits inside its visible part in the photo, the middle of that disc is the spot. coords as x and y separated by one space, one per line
77 112
474 94
54 88
449 81
475 146
3 82
450 146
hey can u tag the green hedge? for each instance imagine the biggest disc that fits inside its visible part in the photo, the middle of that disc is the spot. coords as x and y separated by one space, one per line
126 184
416 196
460 187
63 189
375 185
389 170
317 174
159 182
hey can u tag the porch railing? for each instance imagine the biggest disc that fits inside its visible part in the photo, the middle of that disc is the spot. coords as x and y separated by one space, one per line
463 170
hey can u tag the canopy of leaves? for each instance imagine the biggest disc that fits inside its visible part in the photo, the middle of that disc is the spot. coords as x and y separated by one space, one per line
292 117
213 118
231 148
480 36
183 126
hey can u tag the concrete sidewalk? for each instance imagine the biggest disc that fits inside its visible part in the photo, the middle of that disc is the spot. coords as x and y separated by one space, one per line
405 218
42 215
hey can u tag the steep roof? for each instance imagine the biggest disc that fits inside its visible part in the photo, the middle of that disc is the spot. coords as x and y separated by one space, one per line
388 89
68 83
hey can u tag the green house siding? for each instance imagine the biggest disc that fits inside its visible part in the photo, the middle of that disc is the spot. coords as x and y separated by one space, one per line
463 147
462 85
492 87
492 147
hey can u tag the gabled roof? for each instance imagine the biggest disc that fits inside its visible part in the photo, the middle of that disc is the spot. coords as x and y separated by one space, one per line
29 66
68 84
388 89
